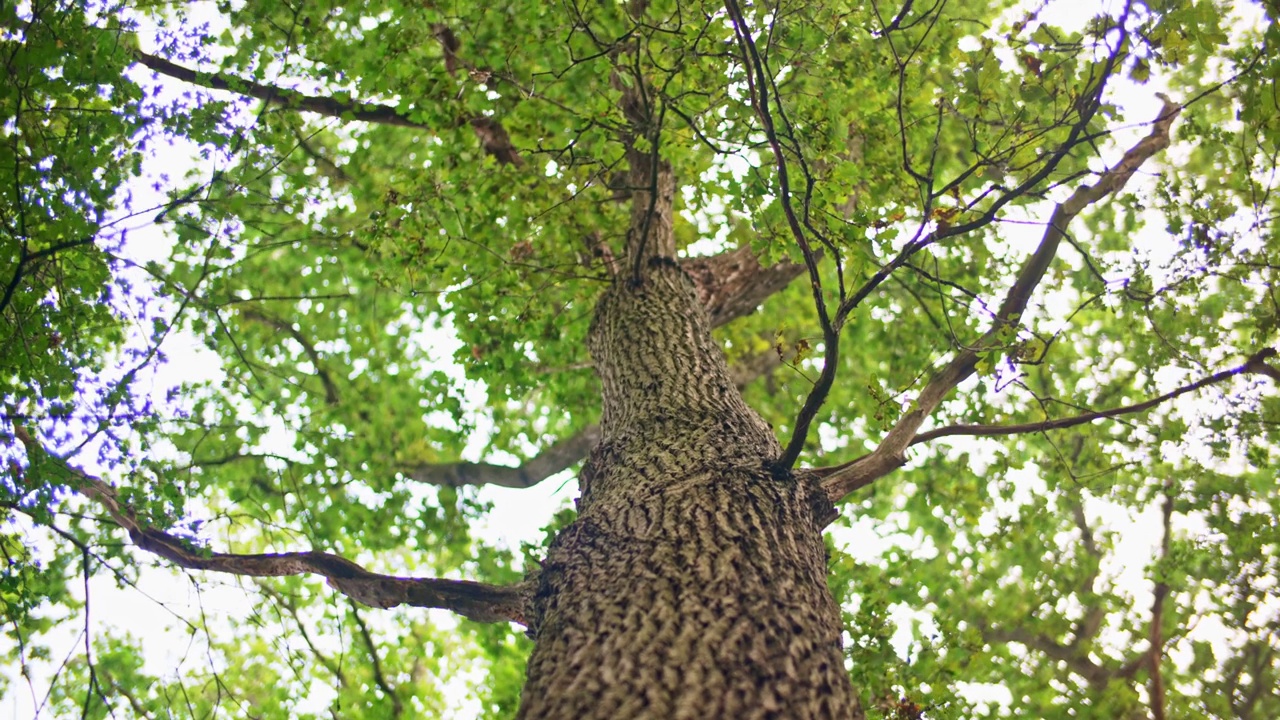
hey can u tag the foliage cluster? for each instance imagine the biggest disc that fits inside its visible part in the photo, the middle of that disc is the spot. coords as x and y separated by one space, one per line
389 220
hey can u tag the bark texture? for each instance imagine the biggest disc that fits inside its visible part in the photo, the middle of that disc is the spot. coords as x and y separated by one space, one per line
693 583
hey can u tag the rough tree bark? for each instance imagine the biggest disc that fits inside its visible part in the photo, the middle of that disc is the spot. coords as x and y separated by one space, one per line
693 582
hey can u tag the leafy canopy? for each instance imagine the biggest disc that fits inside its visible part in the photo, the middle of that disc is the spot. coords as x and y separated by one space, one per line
390 220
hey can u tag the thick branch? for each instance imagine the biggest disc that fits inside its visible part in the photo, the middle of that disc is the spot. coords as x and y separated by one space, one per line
327 106
564 454
651 231
890 454
1086 107
493 136
1256 364
477 601
554 459
733 284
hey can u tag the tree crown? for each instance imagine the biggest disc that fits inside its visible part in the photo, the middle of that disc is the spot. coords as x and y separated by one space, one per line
1026 254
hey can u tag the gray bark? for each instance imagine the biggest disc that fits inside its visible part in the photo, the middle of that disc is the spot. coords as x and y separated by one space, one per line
693 583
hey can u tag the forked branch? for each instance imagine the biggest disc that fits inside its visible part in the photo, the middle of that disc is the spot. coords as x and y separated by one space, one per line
758 84
1256 364
890 454
477 601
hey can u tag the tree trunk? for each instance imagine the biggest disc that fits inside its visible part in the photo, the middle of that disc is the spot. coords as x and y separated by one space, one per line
693 583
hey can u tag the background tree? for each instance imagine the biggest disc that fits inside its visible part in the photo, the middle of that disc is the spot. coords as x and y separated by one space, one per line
441 248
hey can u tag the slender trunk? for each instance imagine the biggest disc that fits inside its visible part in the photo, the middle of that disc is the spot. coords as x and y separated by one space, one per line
693 583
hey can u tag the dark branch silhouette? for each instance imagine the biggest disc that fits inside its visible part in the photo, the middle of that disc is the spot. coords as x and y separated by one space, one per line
1255 364
477 601
758 85
493 137
327 106
890 455
330 389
